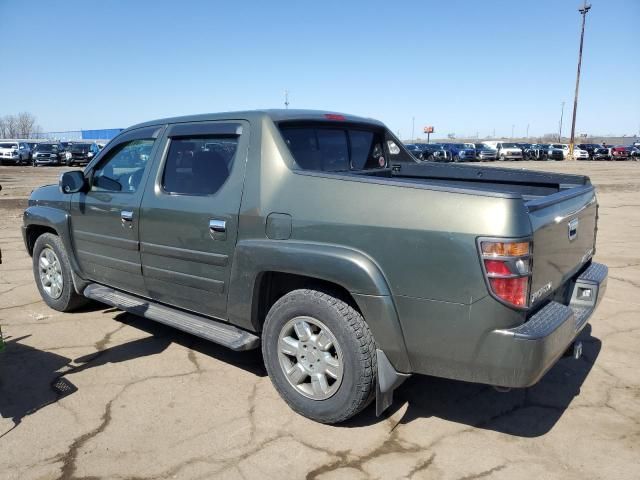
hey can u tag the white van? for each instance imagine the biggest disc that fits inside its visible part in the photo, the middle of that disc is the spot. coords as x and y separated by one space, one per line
507 150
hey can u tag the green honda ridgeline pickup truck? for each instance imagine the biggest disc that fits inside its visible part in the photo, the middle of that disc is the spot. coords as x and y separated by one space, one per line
319 238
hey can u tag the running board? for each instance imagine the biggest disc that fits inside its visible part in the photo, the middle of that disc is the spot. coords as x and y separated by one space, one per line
218 332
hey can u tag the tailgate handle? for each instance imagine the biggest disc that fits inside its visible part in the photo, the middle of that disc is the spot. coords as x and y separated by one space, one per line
573 229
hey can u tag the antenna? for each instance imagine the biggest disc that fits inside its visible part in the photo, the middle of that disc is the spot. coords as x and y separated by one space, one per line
286 99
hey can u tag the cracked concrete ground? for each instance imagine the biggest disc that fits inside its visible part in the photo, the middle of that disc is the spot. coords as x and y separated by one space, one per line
103 394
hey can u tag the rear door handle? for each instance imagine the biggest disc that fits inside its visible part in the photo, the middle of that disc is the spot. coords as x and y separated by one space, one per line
126 217
217 226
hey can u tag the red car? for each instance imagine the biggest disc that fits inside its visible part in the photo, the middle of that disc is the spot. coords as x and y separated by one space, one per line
620 152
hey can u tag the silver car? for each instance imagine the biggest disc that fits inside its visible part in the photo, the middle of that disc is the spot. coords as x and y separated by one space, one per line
14 152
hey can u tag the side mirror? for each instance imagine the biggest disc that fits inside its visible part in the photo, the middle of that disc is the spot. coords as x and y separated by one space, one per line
72 182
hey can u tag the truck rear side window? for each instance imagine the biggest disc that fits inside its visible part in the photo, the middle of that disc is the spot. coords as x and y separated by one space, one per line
334 149
198 165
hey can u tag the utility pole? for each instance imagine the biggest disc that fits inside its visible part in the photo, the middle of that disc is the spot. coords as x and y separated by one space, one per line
560 124
527 131
286 99
413 127
583 11
512 129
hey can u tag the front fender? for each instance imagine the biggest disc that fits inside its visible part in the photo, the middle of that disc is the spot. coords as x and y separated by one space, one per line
351 269
59 221
44 216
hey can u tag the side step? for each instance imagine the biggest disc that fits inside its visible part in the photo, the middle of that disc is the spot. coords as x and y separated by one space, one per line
218 332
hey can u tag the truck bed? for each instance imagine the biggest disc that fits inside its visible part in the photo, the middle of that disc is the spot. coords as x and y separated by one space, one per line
528 184
562 210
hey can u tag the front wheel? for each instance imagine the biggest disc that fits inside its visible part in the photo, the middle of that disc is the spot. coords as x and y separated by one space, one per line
52 273
320 355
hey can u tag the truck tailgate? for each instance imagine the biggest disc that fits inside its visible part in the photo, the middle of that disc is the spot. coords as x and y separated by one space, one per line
564 230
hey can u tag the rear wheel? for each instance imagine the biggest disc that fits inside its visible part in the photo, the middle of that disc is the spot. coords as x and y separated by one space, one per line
320 355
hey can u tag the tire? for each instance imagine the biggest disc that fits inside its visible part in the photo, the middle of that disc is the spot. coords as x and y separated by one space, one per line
352 355
66 299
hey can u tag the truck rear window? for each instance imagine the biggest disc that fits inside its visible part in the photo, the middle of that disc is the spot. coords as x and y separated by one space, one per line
335 149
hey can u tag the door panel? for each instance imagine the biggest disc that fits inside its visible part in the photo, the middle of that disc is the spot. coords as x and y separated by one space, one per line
105 220
186 263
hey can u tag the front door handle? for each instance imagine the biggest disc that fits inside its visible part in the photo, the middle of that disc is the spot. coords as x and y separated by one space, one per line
126 217
217 226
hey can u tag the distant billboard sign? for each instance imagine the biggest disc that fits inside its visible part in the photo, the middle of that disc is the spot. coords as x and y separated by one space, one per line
428 129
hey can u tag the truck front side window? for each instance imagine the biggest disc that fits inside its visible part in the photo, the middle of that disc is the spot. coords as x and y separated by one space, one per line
122 170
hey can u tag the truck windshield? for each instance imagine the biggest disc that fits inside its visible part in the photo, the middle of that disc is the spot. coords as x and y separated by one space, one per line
336 148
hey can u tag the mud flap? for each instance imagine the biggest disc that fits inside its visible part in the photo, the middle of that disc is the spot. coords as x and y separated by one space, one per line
387 381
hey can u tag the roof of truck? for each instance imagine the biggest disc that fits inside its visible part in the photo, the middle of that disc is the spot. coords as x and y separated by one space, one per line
277 115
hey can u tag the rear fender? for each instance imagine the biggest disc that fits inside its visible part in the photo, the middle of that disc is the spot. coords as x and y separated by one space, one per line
351 269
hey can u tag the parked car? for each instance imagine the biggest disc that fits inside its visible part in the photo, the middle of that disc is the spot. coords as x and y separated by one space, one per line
634 152
459 152
17 153
580 154
435 152
589 147
523 146
484 153
32 147
46 154
342 306
538 151
506 150
563 147
619 152
81 153
432 152
601 153
416 150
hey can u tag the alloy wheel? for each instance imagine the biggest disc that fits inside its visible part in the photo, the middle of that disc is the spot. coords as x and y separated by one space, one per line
310 357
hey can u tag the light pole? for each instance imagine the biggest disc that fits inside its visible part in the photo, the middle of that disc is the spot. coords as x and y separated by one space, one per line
560 124
413 127
583 11
512 129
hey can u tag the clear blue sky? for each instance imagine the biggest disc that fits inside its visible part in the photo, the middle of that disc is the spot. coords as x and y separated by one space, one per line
462 66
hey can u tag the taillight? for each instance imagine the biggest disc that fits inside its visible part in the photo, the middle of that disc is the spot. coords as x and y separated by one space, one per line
507 266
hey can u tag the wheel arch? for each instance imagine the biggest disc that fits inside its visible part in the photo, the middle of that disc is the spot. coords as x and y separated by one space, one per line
265 270
40 219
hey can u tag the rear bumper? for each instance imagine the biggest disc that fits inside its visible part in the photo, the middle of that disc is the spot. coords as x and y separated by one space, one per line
465 342
526 352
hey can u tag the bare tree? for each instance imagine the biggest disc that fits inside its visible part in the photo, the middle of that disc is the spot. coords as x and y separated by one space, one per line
26 124
22 125
12 126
